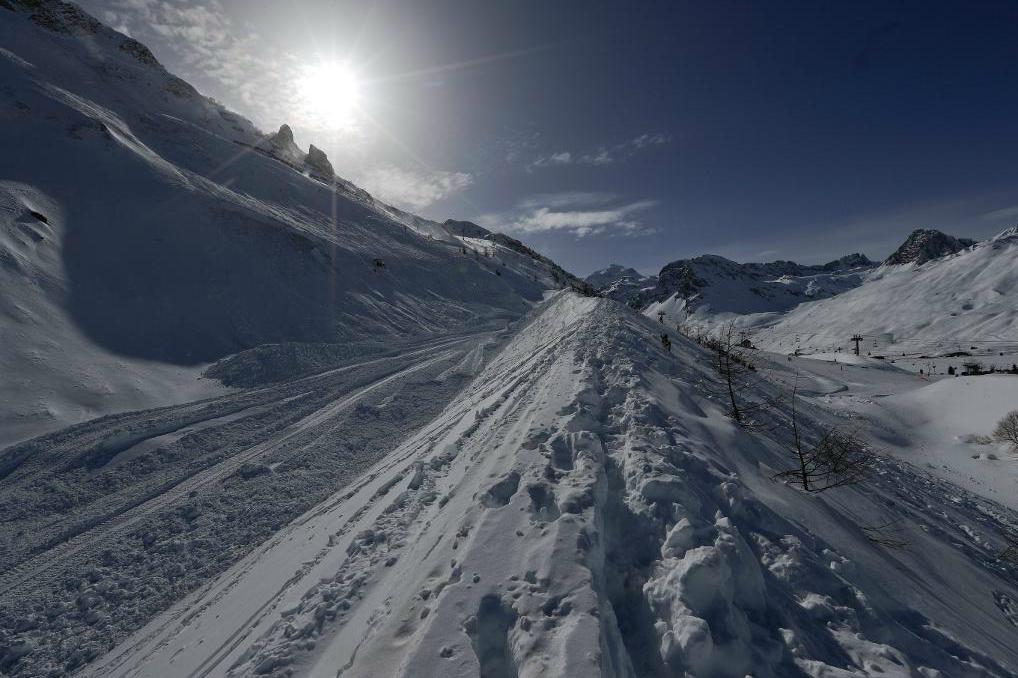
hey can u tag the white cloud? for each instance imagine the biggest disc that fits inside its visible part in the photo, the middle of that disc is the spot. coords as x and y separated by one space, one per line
563 158
209 44
1004 213
581 214
604 155
412 189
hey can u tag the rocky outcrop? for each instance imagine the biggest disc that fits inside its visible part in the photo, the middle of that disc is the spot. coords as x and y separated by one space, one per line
926 244
318 163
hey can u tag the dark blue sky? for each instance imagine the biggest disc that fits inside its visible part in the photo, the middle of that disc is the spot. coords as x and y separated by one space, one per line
639 133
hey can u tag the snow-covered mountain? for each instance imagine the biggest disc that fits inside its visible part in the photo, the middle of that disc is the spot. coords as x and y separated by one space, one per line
941 305
709 285
146 231
621 283
934 294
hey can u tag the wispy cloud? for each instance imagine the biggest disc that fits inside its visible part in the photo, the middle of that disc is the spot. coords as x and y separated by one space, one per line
579 213
412 189
603 155
1004 213
204 37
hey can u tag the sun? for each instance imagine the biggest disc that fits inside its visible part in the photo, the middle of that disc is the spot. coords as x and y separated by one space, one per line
330 94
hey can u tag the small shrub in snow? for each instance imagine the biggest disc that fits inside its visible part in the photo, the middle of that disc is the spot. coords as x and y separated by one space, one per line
839 457
1007 429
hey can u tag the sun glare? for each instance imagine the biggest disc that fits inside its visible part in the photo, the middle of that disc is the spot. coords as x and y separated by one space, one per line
330 93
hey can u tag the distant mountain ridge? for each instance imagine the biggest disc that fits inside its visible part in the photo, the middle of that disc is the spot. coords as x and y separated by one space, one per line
621 283
707 285
716 284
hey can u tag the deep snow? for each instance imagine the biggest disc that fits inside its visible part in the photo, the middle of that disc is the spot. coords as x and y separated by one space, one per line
584 508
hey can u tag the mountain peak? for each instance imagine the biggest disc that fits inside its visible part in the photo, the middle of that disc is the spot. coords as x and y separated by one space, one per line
285 134
926 244
318 162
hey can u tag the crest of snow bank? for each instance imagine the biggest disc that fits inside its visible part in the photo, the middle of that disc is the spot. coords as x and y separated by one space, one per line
581 509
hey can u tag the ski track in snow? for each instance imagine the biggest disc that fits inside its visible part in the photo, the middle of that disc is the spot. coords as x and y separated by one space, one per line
60 544
32 569
582 508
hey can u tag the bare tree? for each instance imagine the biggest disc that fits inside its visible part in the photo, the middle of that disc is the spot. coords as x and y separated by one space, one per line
1010 552
1007 429
886 534
838 457
735 372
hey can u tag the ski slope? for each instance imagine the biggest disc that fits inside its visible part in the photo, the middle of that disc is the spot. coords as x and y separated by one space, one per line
583 509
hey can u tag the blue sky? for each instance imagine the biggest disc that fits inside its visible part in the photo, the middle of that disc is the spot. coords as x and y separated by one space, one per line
637 133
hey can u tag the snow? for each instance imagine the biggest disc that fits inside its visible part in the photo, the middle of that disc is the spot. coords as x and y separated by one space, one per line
950 423
583 507
435 463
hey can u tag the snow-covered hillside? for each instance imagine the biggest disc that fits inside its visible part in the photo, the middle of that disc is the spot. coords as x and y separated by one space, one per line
955 303
146 231
584 509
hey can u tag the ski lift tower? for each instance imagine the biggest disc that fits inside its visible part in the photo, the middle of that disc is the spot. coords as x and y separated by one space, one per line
856 338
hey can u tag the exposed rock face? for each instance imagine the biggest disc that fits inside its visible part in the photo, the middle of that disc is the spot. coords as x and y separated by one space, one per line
283 136
467 229
926 244
318 162
282 146
139 52
61 17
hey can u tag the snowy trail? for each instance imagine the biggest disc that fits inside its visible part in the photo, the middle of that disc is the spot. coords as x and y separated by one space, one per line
583 508
249 451
205 634
30 570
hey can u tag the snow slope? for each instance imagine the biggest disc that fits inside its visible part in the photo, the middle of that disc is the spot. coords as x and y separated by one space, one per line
145 231
950 422
941 306
584 509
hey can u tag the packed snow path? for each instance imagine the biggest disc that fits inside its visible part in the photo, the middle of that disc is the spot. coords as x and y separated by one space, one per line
165 499
582 508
